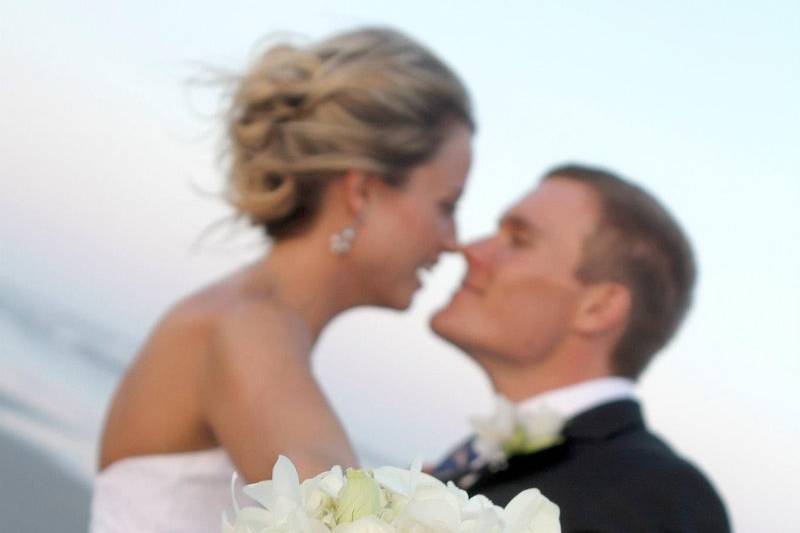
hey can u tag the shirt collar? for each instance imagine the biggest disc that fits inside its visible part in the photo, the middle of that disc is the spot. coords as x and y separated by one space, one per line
574 399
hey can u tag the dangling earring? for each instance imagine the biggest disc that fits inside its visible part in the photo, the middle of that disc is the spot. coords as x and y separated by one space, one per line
342 242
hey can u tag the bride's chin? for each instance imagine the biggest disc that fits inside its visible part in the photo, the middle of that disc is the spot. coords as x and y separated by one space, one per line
398 295
401 302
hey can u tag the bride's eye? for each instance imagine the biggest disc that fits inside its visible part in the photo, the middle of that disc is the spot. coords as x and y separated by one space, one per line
448 207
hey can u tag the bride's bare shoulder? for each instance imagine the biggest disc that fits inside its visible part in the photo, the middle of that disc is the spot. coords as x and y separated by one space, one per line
260 326
224 309
242 325
240 336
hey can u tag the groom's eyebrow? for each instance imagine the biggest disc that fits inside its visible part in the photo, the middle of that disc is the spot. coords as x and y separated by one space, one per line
517 223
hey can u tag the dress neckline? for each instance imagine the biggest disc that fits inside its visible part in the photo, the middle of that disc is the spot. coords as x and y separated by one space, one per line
193 456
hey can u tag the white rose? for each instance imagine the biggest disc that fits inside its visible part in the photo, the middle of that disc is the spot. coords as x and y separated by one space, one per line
531 512
331 481
459 494
316 501
367 524
480 515
395 503
319 492
479 503
433 515
487 521
360 497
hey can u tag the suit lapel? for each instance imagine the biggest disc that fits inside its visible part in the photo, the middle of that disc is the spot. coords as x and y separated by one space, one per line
518 466
603 422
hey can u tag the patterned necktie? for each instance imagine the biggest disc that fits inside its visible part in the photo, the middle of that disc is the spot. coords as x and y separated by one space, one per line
459 462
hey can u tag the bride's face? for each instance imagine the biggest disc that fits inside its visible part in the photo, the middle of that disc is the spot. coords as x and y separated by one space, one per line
406 229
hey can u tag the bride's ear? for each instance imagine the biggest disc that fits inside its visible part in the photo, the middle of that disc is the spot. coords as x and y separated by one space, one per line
356 191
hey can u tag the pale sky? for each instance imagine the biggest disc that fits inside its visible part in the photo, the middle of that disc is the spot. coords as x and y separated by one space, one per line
105 142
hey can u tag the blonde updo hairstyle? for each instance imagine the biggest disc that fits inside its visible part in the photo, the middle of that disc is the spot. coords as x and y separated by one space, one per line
372 100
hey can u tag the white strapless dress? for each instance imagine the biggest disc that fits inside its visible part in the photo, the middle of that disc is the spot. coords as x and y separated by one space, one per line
175 493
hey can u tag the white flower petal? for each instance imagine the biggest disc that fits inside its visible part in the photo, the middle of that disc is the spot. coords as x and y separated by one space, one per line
530 511
492 431
367 524
256 517
405 482
477 504
331 481
286 480
543 421
281 495
316 501
458 493
437 515
317 526
487 519
393 478
227 527
262 492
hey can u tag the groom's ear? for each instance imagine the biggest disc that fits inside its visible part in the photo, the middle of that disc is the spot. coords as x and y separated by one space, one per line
604 308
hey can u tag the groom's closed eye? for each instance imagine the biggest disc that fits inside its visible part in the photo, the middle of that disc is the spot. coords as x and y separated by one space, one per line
519 232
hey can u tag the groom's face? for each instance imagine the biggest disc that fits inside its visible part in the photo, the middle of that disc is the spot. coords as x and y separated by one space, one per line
520 293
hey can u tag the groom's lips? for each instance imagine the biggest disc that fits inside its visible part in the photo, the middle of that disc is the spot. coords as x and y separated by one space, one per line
470 286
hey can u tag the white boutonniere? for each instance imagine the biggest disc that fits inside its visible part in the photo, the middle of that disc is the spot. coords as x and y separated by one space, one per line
508 432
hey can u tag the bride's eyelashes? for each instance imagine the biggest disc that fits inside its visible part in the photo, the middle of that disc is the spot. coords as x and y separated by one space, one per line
448 207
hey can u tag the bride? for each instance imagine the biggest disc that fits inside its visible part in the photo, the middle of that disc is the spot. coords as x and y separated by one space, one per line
351 153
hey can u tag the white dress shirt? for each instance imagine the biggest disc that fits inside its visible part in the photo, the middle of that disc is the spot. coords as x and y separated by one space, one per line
572 400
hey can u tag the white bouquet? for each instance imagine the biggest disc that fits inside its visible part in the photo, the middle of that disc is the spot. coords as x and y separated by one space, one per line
382 500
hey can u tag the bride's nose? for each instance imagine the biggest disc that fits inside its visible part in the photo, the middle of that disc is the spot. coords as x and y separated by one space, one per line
449 240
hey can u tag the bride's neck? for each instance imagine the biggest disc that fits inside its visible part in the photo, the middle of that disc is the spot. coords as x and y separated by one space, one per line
308 279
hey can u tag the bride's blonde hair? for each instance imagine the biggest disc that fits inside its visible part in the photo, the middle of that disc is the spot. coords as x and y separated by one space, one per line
371 99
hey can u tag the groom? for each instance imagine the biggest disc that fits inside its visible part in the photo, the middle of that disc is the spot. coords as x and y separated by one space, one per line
585 280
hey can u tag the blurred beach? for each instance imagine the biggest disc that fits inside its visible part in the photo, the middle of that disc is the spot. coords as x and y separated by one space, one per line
57 372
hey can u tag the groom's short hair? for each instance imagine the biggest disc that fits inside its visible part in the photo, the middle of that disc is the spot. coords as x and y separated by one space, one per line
638 244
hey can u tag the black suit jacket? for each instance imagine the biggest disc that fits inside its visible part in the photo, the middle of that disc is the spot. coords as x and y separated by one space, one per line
611 475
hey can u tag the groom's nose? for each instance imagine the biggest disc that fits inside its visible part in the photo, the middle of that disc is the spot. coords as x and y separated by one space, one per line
478 253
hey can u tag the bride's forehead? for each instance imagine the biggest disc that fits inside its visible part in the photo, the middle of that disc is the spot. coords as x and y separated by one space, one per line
449 167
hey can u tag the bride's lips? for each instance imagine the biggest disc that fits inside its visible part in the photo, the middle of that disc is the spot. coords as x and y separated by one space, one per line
424 270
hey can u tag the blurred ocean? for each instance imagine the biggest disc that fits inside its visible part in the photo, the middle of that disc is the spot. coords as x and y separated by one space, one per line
57 372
